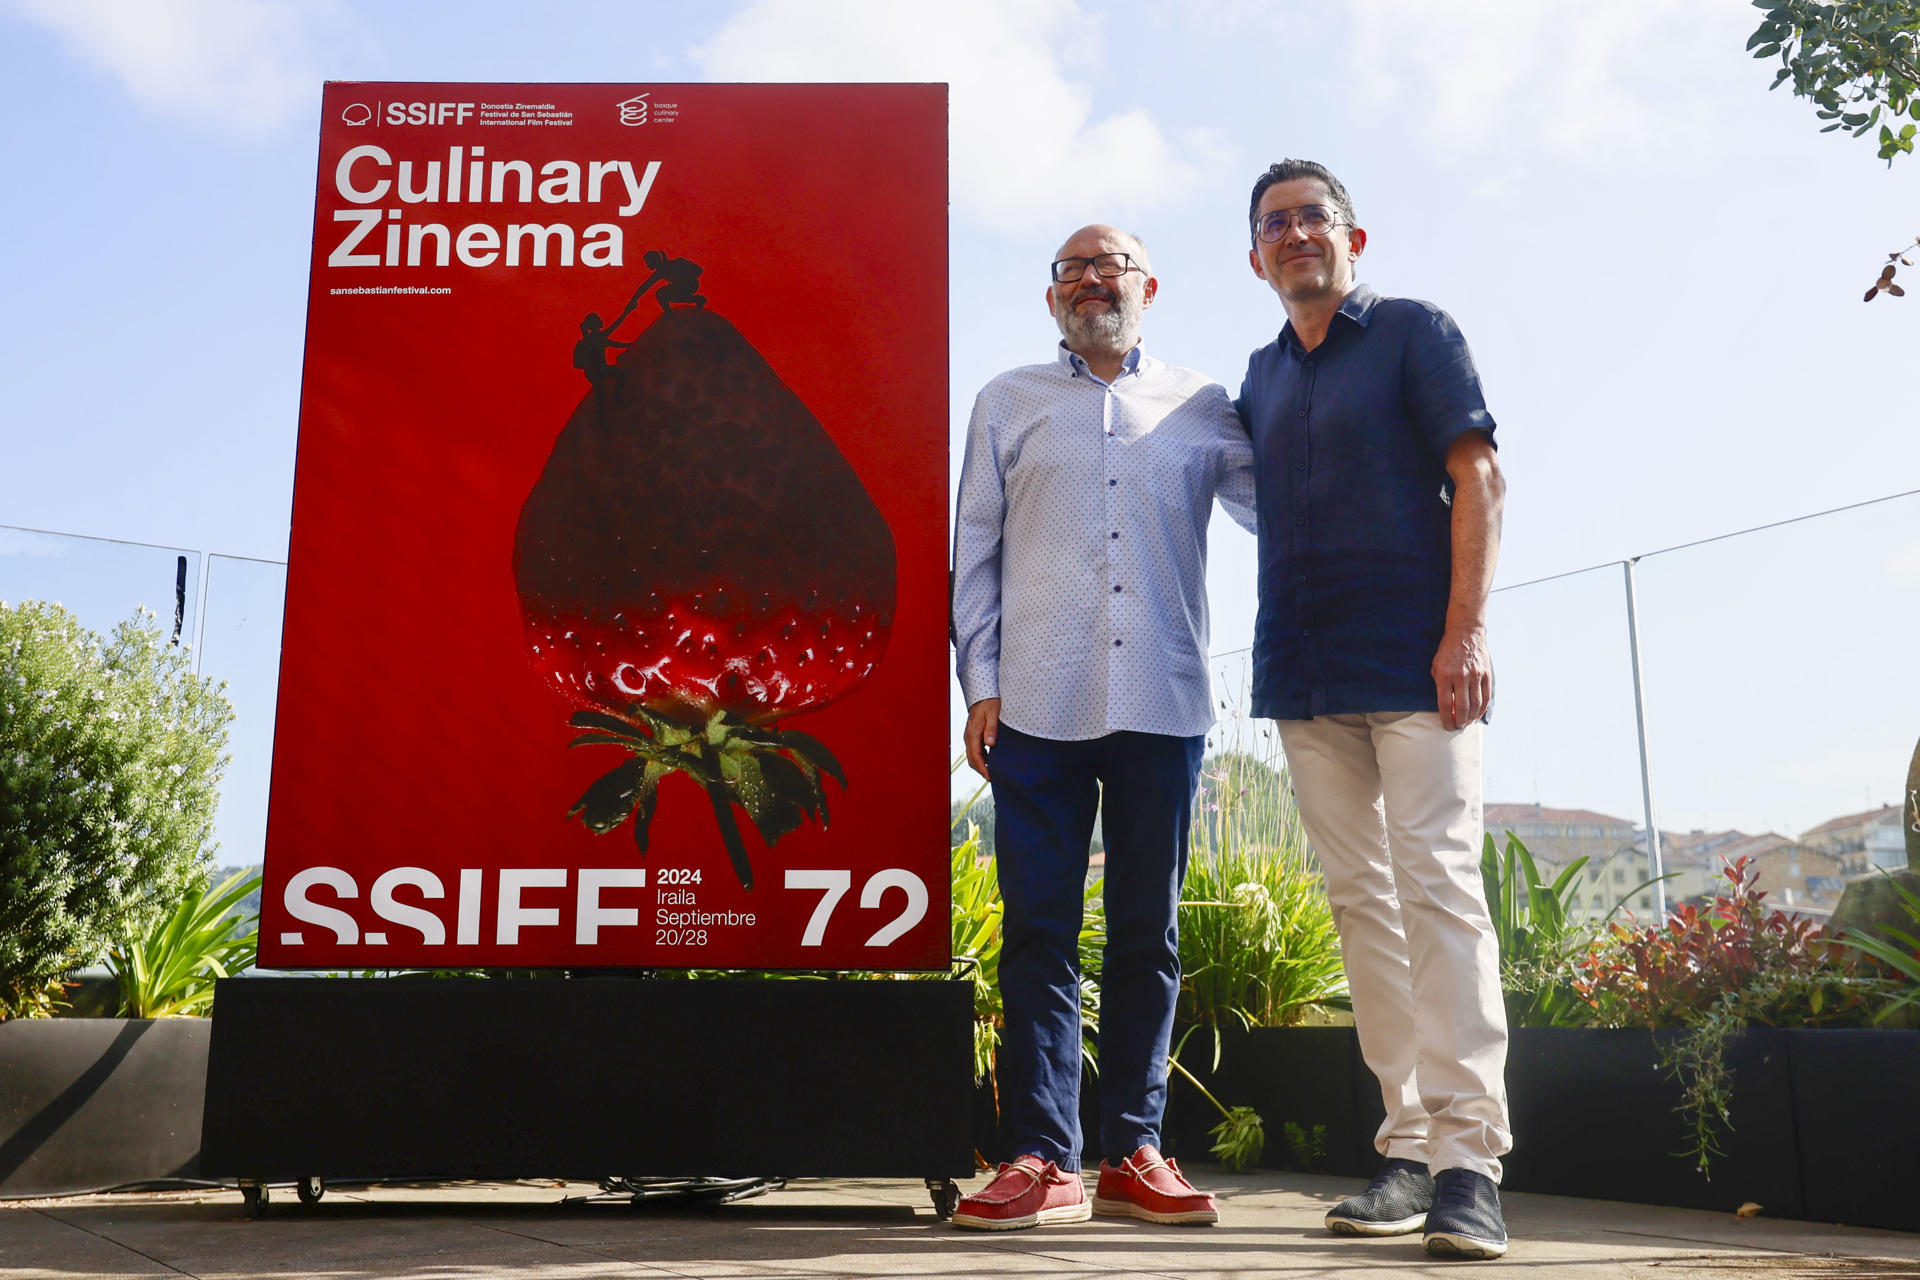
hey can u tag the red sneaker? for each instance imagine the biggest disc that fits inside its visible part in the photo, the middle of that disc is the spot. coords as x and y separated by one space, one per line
1146 1186
1030 1192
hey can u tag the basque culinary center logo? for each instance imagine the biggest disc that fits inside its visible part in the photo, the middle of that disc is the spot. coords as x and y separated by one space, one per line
634 109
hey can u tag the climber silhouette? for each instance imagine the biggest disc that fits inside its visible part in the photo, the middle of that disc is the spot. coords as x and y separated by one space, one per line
590 353
678 278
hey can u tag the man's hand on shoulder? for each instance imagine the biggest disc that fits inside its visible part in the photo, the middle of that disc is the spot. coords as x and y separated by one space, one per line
1463 676
983 730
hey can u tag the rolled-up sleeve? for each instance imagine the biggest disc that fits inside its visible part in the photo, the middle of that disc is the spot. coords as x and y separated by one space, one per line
979 519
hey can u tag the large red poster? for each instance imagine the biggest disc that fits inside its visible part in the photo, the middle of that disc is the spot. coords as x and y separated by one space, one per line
616 603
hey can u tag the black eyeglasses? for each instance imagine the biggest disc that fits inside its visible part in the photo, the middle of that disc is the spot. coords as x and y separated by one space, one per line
1314 219
1105 265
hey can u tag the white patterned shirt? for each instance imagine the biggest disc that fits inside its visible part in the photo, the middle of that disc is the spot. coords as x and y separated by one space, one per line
1080 545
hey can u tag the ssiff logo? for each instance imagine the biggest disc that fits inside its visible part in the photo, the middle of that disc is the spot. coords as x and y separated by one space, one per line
634 109
357 113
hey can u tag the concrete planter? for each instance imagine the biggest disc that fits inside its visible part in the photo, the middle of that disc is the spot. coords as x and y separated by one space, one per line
92 1103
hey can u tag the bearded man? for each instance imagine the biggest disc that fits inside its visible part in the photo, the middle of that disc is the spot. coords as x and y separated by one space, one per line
1080 628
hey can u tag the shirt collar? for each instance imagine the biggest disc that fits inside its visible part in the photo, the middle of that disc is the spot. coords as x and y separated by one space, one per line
1357 306
1135 361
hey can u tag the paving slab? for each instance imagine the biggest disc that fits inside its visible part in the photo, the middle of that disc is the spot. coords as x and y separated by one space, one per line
861 1228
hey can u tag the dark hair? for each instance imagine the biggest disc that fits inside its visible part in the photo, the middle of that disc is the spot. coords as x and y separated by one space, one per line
1286 171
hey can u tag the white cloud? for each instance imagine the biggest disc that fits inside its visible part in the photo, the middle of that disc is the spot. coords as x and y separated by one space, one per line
1617 83
243 66
1026 152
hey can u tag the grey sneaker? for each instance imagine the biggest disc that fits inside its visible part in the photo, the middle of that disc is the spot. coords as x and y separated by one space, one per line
1465 1220
1394 1203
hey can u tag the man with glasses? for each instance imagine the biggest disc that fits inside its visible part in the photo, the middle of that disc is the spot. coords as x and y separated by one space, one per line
1080 629
1380 503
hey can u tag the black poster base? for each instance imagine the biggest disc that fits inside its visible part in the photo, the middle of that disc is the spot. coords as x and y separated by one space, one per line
588 1078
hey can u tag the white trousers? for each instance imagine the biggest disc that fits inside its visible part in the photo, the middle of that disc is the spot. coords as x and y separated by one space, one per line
1391 804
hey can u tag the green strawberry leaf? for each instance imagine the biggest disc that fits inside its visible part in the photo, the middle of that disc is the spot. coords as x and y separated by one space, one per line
606 804
813 750
793 785
730 835
647 795
773 814
606 724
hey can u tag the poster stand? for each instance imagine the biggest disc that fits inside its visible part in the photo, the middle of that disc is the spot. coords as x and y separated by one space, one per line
311 1080
615 641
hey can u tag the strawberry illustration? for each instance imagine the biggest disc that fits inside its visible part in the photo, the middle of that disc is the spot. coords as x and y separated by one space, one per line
697 562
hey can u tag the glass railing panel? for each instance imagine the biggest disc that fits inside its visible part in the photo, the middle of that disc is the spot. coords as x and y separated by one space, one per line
1783 689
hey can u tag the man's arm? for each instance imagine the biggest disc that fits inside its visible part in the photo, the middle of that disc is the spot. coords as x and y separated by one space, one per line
1235 487
1463 669
979 519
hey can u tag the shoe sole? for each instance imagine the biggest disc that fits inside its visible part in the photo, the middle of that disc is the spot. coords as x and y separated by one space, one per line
1361 1227
1056 1216
1128 1209
1452 1244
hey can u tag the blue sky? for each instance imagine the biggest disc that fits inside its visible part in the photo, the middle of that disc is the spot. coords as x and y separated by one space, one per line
1658 264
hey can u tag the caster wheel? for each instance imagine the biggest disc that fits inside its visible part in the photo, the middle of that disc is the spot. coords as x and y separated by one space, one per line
310 1189
257 1197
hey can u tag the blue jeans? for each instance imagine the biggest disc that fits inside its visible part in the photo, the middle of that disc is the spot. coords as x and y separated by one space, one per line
1044 796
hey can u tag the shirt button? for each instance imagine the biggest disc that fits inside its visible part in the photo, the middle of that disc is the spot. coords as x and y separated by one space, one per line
1114 534
1299 466
1111 483
1305 631
1116 586
1116 644
1296 520
1299 577
1300 413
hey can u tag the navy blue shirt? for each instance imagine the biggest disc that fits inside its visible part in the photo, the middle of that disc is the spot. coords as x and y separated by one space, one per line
1350 444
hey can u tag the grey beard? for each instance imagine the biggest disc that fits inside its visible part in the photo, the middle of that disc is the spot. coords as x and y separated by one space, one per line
1114 331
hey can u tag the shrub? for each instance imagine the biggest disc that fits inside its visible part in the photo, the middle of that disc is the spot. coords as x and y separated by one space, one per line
1257 942
111 752
169 973
1539 935
1713 971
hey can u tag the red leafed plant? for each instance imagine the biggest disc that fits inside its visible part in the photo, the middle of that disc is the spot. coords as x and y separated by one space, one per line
1665 975
1714 970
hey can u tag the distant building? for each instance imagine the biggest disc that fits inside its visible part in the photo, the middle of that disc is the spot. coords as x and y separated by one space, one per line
1863 843
1795 876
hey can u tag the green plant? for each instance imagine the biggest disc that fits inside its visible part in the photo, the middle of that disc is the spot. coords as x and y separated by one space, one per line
1306 1149
1257 942
1898 952
111 752
1538 932
1713 971
169 971
1853 59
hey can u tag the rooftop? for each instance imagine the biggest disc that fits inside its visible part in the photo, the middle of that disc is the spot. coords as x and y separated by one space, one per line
1508 814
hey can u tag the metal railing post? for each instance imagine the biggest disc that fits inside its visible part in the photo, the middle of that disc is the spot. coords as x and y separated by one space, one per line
1654 868
200 623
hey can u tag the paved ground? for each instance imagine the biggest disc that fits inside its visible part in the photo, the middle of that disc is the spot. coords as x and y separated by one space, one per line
854 1228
